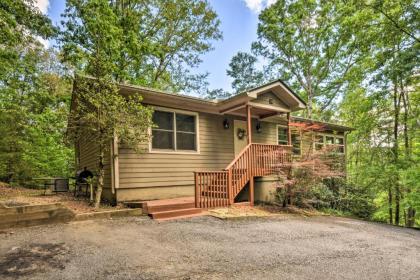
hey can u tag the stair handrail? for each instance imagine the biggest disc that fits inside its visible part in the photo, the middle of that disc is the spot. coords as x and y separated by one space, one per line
238 156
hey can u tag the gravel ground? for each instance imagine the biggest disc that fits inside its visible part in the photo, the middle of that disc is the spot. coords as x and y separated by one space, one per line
287 247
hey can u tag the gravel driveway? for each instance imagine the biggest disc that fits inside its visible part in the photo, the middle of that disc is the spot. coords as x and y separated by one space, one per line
286 247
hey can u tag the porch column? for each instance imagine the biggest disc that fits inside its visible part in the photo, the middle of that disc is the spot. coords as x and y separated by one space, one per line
248 118
251 191
289 134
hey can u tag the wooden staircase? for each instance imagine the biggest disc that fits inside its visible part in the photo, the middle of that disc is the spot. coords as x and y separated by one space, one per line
219 188
168 209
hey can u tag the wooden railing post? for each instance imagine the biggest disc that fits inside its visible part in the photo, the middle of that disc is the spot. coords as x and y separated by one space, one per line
230 191
196 191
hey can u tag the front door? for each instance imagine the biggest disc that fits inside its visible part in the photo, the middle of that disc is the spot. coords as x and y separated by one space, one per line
239 135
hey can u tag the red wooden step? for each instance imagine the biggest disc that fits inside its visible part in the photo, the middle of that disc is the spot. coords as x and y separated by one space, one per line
179 213
169 207
168 204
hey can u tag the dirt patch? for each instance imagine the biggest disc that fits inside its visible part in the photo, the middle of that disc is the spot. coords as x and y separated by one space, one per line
239 212
19 196
260 211
291 210
33 259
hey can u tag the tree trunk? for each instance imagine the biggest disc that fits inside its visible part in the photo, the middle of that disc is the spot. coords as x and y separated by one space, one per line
411 213
397 204
390 204
397 102
309 103
100 182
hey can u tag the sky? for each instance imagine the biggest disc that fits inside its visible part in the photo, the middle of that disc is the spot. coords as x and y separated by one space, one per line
239 19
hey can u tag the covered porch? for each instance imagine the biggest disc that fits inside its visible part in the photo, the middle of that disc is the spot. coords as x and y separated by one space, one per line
252 159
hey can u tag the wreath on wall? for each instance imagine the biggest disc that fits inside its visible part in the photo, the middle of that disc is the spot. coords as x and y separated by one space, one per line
241 133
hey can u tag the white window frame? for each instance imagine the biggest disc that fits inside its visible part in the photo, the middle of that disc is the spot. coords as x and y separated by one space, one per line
300 141
175 151
335 136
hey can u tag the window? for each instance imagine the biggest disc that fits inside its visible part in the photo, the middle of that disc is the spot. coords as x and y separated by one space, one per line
282 135
174 131
319 142
323 140
282 139
296 143
339 142
163 134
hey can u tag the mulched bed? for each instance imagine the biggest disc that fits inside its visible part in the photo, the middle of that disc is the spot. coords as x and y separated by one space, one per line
18 196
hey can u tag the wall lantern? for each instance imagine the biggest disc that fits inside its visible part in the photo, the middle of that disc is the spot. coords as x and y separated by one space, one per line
258 127
241 133
226 124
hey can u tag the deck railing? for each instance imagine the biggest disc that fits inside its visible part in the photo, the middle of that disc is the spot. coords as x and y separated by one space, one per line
219 188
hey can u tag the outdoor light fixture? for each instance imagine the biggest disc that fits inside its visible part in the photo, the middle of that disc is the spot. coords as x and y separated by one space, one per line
259 127
226 124
241 133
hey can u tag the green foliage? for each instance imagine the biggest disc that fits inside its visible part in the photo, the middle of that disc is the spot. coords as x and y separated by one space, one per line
152 43
20 23
33 97
242 68
313 45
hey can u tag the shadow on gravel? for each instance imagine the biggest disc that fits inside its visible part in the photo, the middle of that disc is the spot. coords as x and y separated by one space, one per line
35 258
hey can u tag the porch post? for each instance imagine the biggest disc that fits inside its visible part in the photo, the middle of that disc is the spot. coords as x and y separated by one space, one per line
289 134
248 118
251 191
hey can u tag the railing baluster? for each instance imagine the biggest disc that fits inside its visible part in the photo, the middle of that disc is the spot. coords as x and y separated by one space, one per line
219 188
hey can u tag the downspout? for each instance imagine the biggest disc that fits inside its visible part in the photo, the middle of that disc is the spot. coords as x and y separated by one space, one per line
115 174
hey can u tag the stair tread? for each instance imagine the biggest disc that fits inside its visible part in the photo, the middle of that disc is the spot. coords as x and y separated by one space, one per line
176 210
180 217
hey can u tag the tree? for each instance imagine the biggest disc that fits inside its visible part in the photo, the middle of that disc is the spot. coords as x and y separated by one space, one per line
155 43
312 45
21 23
99 110
391 78
242 68
101 114
33 97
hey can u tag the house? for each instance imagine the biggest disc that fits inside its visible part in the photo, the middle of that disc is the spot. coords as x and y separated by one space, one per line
217 151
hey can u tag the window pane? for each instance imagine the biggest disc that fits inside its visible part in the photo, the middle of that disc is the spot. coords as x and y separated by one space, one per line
339 141
162 139
329 140
319 138
341 149
185 123
185 141
164 120
282 132
318 146
296 144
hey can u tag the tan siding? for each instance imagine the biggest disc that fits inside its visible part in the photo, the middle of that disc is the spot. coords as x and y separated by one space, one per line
88 158
265 99
268 134
147 175
147 170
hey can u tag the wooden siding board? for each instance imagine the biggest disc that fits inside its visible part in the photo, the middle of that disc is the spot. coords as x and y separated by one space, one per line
88 158
171 169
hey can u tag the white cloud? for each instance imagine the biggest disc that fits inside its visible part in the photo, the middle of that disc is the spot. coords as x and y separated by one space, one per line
45 43
42 5
257 5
